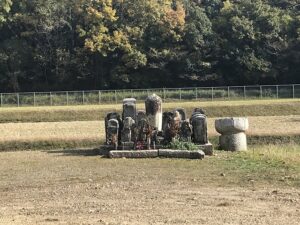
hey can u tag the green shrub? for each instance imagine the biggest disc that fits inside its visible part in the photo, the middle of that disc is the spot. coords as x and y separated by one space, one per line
179 145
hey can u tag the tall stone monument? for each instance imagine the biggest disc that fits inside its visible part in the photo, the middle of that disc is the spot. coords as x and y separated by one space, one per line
113 133
129 108
199 124
154 111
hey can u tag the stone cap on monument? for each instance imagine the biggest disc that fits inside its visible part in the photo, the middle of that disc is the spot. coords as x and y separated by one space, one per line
232 125
129 100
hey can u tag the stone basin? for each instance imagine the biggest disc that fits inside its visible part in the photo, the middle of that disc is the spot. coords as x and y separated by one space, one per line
232 125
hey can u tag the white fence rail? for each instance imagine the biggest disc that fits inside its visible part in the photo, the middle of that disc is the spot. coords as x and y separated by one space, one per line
168 94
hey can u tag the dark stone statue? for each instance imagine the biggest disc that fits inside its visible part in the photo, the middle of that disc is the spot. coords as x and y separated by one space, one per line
199 128
116 116
113 133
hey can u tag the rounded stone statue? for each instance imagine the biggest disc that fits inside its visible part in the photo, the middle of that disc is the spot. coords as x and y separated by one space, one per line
154 111
233 136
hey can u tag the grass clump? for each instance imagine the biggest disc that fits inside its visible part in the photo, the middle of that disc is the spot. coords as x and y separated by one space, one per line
270 164
179 145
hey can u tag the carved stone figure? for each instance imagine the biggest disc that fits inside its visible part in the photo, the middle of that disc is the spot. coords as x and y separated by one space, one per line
113 115
199 128
182 113
113 133
129 108
185 132
167 117
141 114
154 111
172 126
127 129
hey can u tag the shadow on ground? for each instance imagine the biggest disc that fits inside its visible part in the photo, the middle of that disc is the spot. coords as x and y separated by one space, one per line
80 152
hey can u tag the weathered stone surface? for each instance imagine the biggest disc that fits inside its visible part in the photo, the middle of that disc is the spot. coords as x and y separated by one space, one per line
199 111
134 154
127 129
233 142
199 124
154 111
141 114
207 149
116 116
129 108
113 132
182 113
183 154
185 132
232 125
232 130
172 126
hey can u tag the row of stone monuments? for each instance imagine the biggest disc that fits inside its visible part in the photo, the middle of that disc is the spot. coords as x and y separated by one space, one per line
150 129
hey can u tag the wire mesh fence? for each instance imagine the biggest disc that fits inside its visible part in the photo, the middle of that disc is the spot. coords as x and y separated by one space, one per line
95 97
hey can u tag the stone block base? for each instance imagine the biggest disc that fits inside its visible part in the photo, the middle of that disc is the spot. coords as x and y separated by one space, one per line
207 149
183 154
133 154
126 145
233 142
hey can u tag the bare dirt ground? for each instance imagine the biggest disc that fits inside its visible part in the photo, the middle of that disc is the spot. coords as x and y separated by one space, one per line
66 187
94 130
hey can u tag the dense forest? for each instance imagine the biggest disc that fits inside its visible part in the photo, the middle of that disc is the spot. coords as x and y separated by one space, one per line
108 44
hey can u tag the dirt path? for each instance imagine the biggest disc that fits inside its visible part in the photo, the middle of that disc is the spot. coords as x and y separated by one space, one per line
65 188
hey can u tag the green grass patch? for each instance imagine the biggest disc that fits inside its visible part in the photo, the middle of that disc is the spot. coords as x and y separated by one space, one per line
253 142
271 164
48 145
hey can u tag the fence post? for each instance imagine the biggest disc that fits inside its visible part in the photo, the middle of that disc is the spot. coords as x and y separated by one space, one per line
131 93
18 99
228 92
245 92
212 93
277 91
51 100
147 92
34 100
99 95
164 90
67 94
82 97
180 94
293 90
1 99
116 100
196 89
261 93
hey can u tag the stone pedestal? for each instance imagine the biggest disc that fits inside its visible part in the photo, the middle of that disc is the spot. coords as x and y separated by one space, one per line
154 111
233 136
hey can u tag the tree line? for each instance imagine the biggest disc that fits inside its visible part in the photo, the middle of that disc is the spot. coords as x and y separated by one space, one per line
48 45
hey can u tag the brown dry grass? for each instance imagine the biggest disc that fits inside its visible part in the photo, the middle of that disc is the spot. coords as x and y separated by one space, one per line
94 130
70 188
282 107
184 104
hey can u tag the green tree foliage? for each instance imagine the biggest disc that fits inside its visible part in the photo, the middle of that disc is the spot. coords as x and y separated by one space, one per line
4 9
82 44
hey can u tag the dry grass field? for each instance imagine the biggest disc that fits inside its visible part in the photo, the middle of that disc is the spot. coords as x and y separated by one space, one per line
79 187
75 186
281 107
94 130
